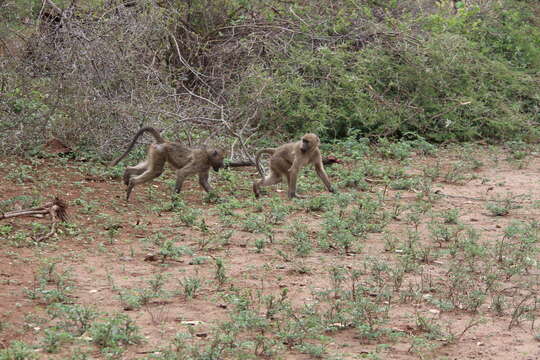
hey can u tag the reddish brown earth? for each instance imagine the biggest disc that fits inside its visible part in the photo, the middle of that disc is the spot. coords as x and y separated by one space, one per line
99 265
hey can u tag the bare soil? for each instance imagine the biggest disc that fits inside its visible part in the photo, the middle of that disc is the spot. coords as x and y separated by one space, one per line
101 261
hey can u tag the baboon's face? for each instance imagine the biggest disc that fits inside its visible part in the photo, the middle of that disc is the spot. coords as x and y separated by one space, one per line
216 159
309 142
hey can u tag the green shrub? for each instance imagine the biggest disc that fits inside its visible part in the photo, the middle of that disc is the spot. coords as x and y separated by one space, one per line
115 332
410 84
17 350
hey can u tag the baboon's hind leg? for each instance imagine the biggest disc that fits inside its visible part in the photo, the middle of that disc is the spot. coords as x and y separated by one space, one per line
156 163
134 170
271 179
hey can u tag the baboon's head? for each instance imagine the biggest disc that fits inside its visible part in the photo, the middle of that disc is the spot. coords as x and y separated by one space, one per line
215 157
309 142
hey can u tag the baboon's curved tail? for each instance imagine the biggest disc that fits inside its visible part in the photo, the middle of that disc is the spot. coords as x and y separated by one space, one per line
148 129
269 151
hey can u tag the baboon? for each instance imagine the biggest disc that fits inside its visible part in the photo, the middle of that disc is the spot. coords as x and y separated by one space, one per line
186 161
287 160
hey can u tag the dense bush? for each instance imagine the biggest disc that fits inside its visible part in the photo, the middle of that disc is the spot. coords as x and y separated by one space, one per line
237 67
471 76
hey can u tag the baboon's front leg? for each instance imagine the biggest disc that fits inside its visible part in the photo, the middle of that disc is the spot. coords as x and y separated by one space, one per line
181 175
323 176
179 182
203 181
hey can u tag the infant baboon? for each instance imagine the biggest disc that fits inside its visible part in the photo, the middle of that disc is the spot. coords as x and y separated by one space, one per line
288 159
186 161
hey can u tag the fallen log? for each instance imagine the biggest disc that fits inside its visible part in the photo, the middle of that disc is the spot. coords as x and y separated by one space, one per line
57 209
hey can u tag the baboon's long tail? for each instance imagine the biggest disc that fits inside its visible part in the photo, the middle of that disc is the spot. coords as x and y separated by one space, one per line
148 129
269 151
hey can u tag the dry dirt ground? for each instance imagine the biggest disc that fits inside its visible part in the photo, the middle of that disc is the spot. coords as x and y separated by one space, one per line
435 274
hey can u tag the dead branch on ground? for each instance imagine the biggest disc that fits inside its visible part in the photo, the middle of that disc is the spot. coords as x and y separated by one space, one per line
56 209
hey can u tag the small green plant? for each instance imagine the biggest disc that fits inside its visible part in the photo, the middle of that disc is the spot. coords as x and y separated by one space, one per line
498 304
459 173
355 146
255 223
300 239
432 171
80 354
397 150
442 233
516 250
20 174
187 215
403 183
519 150
278 211
157 282
51 286
524 309
54 339
354 177
87 207
429 326
212 197
502 207
422 147
132 299
199 260
190 286
318 203
76 319
5 229
18 350
113 333
260 244
450 216
169 250
220 275
315 351
23 201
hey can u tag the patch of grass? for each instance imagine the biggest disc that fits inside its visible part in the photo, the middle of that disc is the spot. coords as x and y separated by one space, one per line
18 350
51 286
75 319
300 239
112 334
190 286
502 207
54 339
21 174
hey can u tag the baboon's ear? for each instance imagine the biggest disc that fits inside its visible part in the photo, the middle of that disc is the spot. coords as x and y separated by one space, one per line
215 153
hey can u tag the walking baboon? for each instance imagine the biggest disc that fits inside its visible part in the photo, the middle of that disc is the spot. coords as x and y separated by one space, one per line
287 160
186 161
